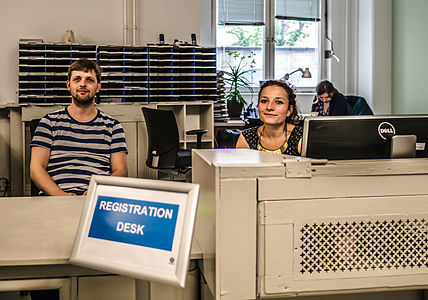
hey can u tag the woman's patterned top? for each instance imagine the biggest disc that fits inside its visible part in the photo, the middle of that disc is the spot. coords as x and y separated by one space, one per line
252 139
319 108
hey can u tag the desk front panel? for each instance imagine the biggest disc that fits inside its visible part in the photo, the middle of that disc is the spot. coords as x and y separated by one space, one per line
342 244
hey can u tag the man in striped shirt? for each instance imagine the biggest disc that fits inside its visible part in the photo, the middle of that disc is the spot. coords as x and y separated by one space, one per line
71 144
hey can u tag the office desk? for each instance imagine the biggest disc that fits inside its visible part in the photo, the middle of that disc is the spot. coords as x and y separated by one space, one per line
275 227
231 124
37 236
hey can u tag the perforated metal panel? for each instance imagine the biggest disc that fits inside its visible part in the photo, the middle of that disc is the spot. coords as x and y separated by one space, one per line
363 246
340 244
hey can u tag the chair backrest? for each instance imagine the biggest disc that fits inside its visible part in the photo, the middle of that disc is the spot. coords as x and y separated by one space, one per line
359 105
227 138
163 138
32 126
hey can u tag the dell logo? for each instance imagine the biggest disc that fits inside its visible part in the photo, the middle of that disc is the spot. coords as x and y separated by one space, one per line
386 130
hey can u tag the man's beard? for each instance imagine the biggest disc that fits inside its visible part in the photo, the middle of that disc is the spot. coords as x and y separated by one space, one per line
83 101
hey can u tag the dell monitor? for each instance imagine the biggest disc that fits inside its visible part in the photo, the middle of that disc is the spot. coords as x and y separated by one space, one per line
365 137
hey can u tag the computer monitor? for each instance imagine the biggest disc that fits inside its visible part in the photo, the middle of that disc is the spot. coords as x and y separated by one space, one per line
365 137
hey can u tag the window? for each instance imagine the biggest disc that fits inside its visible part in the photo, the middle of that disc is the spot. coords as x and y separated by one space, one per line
284 35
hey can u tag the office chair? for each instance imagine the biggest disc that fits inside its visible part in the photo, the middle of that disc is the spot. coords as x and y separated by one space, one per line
359 105
227 138
164 152
32 125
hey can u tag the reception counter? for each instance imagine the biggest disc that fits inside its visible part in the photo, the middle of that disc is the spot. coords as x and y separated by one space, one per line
272 226
267 226
37 236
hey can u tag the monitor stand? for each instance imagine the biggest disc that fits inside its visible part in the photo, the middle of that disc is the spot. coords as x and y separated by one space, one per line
403 146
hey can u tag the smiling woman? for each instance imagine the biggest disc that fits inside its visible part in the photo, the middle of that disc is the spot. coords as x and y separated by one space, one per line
280 132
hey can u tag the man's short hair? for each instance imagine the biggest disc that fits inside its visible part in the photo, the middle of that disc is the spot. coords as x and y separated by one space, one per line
85 65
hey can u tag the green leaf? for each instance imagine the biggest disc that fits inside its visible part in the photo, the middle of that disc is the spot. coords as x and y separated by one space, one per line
236 75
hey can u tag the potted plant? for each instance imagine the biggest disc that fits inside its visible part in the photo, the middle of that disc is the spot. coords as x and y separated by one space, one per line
236 77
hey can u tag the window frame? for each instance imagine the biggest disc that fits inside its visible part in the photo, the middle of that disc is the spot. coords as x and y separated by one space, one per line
269 42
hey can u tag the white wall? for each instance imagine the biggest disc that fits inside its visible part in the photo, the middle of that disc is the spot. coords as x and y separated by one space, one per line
336 18
410 57
177 19
365 50
95 21
382 56
343 28
361 31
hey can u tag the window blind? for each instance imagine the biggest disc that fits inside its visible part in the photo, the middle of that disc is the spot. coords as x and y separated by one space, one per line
305 10
241 12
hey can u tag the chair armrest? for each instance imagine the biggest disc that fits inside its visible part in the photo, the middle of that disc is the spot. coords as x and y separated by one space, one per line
197 131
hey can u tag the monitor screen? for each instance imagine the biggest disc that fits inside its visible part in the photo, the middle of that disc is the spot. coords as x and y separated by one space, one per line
362 137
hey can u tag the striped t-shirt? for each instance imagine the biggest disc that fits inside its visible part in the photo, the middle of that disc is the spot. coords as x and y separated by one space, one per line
78 150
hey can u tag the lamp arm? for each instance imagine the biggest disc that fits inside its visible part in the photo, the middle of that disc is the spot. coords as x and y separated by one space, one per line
299 69
287 75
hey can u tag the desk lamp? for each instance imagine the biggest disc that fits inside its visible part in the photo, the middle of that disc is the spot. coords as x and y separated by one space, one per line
305 74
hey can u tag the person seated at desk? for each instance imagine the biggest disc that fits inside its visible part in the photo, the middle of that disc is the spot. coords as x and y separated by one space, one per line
329 102
71 144
280 132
